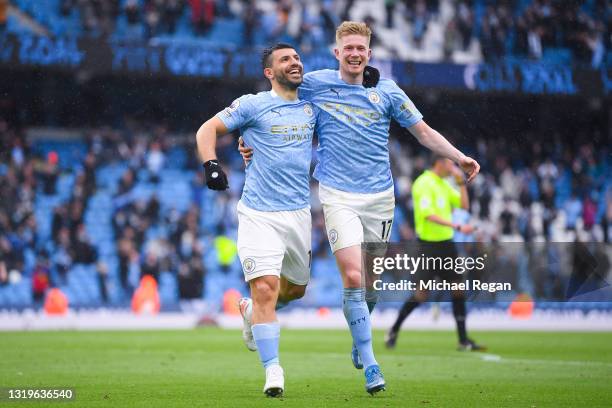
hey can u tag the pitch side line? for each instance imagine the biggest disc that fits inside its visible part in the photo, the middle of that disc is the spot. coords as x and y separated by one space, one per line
482 357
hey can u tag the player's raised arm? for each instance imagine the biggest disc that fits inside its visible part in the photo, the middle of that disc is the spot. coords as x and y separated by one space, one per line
206 139
437 143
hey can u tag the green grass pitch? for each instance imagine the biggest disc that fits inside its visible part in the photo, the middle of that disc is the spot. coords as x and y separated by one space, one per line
212 368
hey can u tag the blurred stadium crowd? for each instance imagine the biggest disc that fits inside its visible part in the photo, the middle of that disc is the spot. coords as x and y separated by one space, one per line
91 211
94 213
421 30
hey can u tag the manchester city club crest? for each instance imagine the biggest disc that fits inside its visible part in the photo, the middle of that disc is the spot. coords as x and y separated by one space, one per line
308 110
374 97
333 236
248 265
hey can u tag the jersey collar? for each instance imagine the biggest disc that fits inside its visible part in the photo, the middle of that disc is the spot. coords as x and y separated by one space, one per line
344 82
275 95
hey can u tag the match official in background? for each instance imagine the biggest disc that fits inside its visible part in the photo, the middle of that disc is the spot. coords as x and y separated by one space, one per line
434 200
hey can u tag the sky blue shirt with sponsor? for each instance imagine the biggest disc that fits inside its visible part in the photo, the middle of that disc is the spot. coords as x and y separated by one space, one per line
280 133
353 129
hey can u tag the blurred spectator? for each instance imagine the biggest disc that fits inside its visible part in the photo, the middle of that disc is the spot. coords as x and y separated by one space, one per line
48 172
127 252
132 11
3 15
155 161
226 248
152 17
276 23
3 271
534 41
102 275
191 275
589 213
330 20
133 16
311 33
127 182
390 10
150 265
573 211
419 17
250 18
89 175
172 11
465 23
41 280
202 15
494 33
82 250
452 39
606 222
63 255
374 40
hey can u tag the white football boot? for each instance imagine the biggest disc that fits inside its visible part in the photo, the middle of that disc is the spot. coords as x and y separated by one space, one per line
275 381
246 310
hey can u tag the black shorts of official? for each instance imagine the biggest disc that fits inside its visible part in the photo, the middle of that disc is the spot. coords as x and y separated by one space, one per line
439 249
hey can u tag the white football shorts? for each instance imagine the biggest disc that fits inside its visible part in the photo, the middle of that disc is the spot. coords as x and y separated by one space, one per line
353 218
275 243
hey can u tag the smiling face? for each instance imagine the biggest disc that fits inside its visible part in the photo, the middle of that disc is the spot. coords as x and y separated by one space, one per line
353 52
285 68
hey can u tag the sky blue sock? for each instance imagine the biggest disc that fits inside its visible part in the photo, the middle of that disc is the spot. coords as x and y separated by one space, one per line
266 336
358 318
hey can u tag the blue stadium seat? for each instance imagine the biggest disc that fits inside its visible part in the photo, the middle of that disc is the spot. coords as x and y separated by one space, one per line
226 32
168 289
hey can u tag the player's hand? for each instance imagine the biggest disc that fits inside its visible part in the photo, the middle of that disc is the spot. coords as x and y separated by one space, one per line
470 167
245 152
215 176
458 175
371 76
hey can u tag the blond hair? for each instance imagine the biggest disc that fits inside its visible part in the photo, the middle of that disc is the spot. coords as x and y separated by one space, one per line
353 27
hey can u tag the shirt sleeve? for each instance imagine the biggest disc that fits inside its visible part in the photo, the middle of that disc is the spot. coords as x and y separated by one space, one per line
238 114
454 197
402 108
306 89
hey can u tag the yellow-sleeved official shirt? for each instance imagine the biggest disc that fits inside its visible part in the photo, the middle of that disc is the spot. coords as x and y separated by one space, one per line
433 195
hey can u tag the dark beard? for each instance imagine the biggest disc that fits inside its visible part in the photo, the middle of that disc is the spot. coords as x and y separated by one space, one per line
283 81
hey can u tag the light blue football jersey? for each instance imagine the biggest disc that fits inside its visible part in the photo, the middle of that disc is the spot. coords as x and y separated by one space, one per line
280 133
353 130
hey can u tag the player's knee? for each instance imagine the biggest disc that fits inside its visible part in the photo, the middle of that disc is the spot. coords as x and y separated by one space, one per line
353 278
263 291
